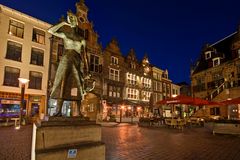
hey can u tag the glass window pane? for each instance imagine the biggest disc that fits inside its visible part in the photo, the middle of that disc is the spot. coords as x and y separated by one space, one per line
16 28
14 51
38 36
35 80
11 76
37 56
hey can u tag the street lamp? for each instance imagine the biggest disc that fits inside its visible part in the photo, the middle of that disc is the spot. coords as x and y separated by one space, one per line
23 81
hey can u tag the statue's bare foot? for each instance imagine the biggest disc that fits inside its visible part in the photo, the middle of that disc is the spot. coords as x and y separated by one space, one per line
58 114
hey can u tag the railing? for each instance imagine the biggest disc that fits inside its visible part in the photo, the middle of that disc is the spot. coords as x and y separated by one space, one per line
217 91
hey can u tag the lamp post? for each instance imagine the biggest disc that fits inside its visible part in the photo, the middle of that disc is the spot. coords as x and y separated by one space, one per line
23 81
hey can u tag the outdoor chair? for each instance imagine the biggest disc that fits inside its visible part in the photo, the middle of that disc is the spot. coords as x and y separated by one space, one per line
174 123
181 124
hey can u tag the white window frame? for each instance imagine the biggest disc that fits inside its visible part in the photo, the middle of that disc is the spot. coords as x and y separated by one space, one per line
131 78
132 93
146 95
208 55
218 61
114 60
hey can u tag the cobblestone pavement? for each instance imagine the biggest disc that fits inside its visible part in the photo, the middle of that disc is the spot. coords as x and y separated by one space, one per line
15 144
130 142
139 143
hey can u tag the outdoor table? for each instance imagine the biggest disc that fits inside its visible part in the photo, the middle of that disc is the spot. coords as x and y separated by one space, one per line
195 121
16 120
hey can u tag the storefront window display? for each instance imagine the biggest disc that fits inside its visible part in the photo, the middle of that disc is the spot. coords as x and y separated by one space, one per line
11 108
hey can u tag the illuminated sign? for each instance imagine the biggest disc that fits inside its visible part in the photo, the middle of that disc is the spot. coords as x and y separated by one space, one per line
72 153
5 101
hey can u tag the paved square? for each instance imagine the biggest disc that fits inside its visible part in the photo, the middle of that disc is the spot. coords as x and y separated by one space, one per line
130 142
134 143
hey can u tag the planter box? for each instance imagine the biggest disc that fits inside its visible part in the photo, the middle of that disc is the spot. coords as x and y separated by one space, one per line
226 128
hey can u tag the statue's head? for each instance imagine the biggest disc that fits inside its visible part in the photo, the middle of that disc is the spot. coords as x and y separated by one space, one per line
72 19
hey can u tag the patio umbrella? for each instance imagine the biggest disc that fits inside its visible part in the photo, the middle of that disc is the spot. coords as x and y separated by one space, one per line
212 103
180 99
232 101
200 101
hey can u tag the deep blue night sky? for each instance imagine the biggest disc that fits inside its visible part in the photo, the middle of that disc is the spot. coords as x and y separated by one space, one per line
171 32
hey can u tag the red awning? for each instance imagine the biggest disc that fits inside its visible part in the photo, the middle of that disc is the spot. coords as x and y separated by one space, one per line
232 101
181 99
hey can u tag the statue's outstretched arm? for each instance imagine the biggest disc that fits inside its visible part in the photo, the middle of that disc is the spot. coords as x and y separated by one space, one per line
53 30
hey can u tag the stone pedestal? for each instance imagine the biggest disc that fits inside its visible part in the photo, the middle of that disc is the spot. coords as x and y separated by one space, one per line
67 138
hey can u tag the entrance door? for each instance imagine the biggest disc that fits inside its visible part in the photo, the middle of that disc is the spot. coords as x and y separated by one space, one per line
35 109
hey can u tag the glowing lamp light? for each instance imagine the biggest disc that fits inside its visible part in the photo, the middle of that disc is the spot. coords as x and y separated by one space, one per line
129 108
138 108
23 80
174 95
17 127
122 107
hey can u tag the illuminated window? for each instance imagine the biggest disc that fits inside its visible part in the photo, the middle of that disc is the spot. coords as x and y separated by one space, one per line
16 28
37 57
146 82
173 91
114 74
38 36
168 89
11 76
35 80
14 51
146 95
132 93
131 79
155 75
164 88
159 86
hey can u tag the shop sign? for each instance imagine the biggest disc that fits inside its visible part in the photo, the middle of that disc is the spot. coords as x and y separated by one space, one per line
5 101
72 153
35 98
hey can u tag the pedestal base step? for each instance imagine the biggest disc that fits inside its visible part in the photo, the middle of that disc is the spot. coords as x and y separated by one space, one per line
81 151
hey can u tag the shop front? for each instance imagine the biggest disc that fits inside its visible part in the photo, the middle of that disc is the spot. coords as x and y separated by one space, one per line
10 108
36 107
33 105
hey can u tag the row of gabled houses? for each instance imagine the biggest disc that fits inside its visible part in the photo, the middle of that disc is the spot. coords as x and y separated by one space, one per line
125 86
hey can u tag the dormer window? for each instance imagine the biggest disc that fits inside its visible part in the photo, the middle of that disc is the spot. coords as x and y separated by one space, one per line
216 61
208 55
